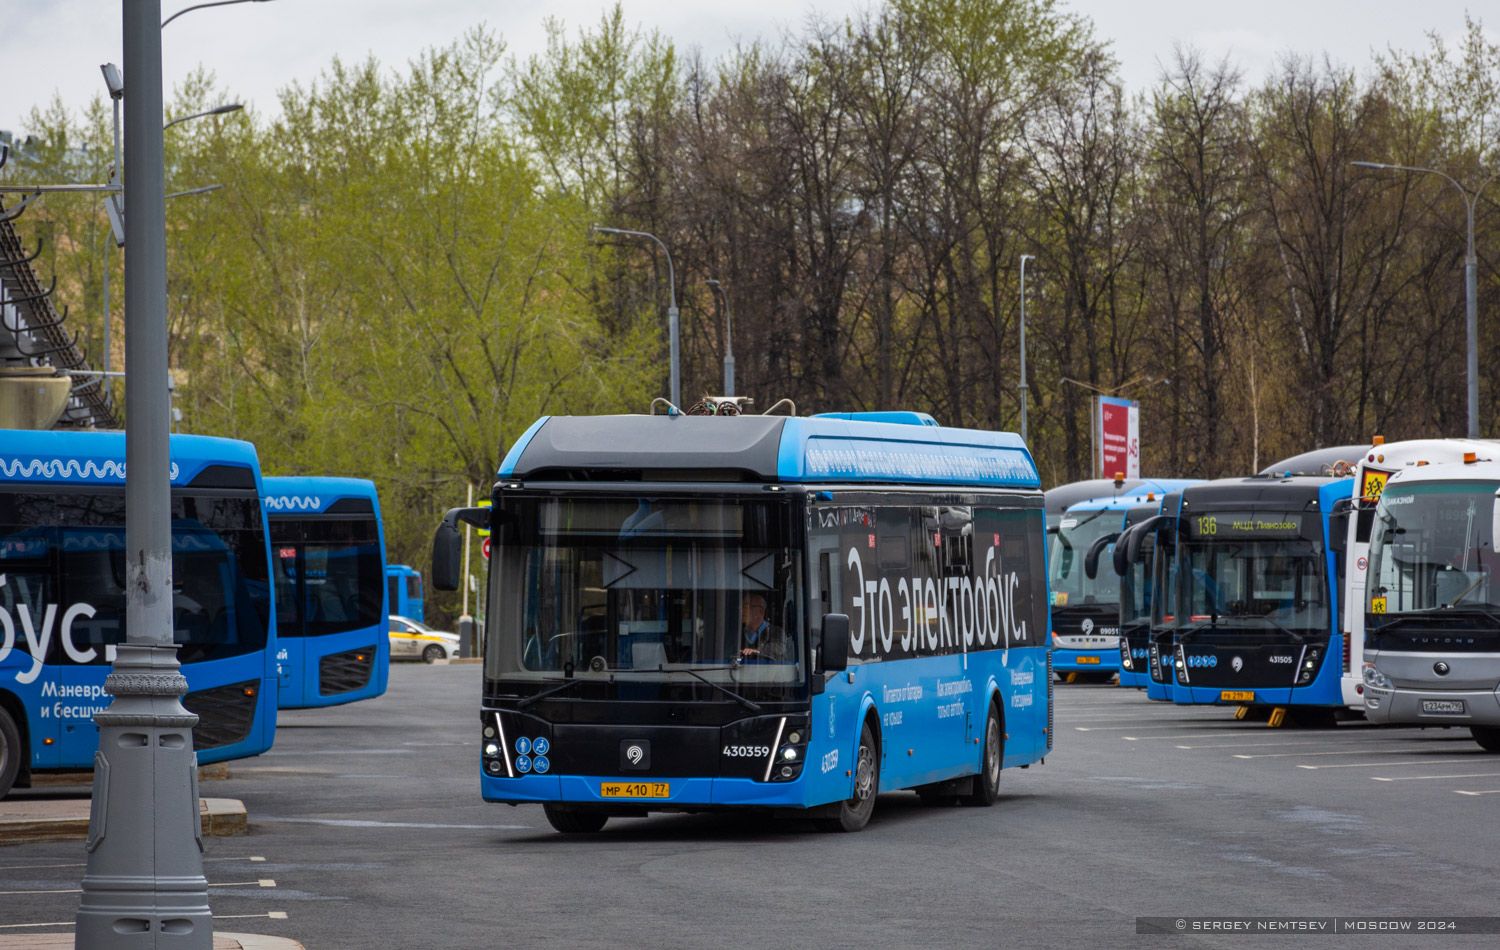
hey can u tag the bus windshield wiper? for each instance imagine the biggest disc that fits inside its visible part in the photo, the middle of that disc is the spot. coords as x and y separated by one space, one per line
1200 625
535 698
1296 637
753 707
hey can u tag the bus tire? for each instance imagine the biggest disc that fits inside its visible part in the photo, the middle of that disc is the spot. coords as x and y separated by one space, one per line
987 782
572 820
1488 738
854 814
432 653
11 753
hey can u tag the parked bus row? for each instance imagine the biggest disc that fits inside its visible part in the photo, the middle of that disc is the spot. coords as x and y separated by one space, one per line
279 594
1315 590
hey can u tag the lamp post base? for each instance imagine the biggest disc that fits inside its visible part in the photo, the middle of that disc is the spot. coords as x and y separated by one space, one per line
144 885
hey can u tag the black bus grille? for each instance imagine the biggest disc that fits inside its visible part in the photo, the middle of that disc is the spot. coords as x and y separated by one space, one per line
345 672
225 713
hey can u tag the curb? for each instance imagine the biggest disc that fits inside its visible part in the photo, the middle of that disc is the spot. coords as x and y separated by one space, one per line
22 822
214 772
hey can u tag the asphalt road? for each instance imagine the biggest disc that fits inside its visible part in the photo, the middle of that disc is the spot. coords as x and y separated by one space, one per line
367 818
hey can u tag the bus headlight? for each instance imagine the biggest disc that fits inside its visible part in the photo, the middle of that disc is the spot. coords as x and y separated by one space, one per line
1182 670
1374 678
491 748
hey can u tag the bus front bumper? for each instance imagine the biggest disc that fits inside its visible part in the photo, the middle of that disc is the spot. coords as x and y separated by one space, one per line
680 792
1104 659
1432 707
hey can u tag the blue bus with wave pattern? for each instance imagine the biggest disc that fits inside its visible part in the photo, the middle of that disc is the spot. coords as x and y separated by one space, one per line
787 614
62 595
328 561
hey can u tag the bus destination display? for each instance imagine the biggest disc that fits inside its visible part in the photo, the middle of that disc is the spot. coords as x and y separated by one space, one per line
1245 524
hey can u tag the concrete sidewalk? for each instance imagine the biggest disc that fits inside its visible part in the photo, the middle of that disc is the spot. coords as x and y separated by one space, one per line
26 820
222 941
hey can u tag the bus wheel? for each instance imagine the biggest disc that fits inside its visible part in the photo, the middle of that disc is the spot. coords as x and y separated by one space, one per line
571 820
854 814
987 782
432 654
10 752
1488 738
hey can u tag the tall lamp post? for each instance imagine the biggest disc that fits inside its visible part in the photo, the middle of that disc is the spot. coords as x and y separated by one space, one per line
671 308
1471 264
728 340
143 885
1022 387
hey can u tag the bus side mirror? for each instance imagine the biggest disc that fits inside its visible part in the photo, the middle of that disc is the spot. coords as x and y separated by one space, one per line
1122 547
1338 526
447 545
1091 559
835 643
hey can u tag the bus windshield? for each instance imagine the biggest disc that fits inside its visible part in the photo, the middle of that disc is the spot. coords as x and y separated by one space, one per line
648 590
1077 531
1432 549
65 552
337 562
1255 586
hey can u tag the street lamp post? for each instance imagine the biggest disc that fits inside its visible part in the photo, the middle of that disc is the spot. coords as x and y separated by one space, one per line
671 309
219 110
1471 265
143 885
1022 387
728 340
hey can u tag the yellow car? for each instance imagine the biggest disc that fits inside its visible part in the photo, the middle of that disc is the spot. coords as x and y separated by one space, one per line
414 640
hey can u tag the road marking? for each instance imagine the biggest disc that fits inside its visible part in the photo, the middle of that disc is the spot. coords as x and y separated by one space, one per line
1190 735
337 752
1384 765
263 882
1137 727
1284 755
1493 791
53 923
1296 740
273 915
362 823
1419 778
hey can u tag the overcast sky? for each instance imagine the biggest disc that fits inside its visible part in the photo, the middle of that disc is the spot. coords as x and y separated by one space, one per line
56 46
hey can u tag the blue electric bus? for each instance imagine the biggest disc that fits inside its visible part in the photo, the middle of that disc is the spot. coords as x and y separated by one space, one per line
404 591
789 614
1085 602
328 561
62 595
1251 603
1136 588
1149 546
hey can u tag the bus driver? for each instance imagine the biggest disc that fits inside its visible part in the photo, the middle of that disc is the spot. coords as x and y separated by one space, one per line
759 638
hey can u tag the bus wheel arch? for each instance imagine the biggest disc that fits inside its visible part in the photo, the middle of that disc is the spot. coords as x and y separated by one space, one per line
992 757
853 813
14 748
